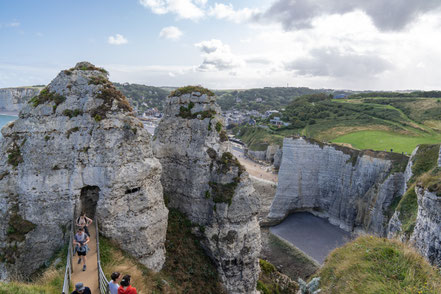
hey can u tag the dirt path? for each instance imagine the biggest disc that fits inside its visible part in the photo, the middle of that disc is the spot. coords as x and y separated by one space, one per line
89 277
255 169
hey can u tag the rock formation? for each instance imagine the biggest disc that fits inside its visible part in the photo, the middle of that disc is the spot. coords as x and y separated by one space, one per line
426 236
76 145
353 189
205 181
13 99
267 155
265 191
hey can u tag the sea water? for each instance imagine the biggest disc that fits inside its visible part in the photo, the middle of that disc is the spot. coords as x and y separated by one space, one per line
4 119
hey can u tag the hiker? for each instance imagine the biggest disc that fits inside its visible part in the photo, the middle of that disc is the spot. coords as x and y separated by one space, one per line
80 241
113 284
80 289
125 287
83 222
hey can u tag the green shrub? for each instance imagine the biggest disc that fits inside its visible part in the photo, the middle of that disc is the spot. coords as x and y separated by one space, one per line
14 155
189 90
266 267
72 113
97 118
218 126
408 208
46 96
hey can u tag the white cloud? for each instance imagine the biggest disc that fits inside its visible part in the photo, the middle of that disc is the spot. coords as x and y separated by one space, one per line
12 24
171 33
184 9
217 56
117 40
227 12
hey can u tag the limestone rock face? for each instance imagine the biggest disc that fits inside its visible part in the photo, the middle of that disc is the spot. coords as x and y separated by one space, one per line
77 146
353 189
278 158
265 192
205 181
13 99
426 236
271 151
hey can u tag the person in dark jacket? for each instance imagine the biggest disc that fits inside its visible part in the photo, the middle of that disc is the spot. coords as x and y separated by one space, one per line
125 287
80 289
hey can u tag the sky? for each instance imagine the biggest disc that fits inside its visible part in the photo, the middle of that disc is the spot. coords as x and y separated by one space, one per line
339 44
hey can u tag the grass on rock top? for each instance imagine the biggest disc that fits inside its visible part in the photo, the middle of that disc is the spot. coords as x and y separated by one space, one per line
377 265
191 89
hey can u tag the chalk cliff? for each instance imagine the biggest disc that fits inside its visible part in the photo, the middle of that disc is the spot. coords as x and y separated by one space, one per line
76 145
205 181
353 189
13 99
426 236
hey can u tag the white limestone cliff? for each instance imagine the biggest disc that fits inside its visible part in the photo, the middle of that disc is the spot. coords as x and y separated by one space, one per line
77 145
205 181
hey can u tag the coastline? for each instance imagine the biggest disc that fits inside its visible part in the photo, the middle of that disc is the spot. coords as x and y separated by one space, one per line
9 113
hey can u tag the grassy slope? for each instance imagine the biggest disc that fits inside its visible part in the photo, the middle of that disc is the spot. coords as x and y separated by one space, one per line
49 282
376 265
187 269
381 140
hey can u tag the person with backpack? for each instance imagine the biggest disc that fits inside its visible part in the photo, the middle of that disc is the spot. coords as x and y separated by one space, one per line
80 241
125 287
83 222
113 284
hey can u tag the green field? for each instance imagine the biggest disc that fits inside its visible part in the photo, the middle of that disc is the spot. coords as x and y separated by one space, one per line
378 123
380 140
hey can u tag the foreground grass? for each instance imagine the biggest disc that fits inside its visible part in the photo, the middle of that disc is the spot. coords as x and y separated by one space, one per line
377 265
187 268
380 140
48 282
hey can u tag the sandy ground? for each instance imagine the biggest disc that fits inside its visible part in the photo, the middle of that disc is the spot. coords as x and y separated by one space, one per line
89 277
255 169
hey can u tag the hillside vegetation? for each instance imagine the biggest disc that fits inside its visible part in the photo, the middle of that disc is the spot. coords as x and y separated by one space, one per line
381 123
143 97
262 99
377 265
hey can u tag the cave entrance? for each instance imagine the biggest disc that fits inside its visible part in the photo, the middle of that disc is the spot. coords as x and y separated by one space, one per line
89 198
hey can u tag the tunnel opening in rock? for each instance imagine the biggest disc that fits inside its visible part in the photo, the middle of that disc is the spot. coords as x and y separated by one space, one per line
89 198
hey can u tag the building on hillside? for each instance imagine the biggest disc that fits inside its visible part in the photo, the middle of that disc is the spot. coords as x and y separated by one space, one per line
269 112
340 96
278 122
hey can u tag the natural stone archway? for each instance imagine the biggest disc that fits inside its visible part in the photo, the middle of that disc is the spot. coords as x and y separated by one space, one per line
89 198
79 134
